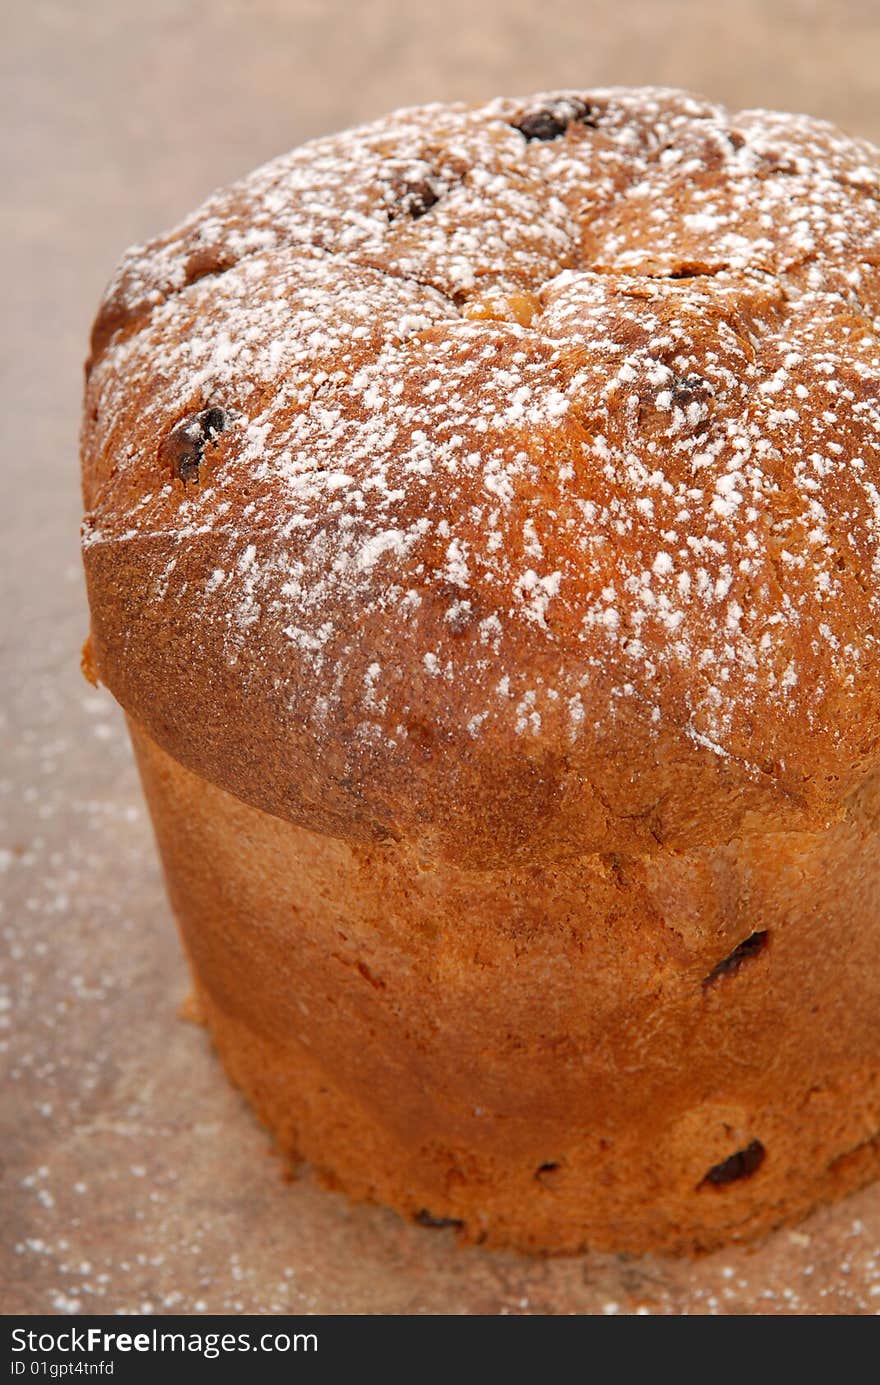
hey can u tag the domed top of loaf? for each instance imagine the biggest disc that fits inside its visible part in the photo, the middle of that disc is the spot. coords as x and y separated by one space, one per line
505 479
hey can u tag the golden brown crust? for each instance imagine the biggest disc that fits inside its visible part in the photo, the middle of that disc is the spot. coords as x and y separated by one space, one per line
664 1053
505 479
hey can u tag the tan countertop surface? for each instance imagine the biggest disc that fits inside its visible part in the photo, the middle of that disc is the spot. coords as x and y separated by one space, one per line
133 1179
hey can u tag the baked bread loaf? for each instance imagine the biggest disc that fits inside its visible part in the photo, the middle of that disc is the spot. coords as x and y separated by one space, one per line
483 539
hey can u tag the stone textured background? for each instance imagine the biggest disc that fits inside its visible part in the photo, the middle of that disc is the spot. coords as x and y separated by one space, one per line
133 1178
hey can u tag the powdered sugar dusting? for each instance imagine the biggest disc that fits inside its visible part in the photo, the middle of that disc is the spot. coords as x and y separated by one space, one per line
593 417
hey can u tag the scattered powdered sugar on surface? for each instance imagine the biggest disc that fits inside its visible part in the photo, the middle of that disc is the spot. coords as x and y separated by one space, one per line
596 416
133 1178
136 1182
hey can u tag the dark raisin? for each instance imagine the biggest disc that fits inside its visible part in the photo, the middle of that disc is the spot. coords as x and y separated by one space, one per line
735 139
541 125
183 448
552 121
749 947
426 1218
690 389
742 1164
420 198
412 198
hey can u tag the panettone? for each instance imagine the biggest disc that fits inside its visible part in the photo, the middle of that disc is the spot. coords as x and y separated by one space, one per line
483 540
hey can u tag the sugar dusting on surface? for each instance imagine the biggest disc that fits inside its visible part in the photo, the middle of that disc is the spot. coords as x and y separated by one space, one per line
118 1197
134 1177
514 423
664 467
